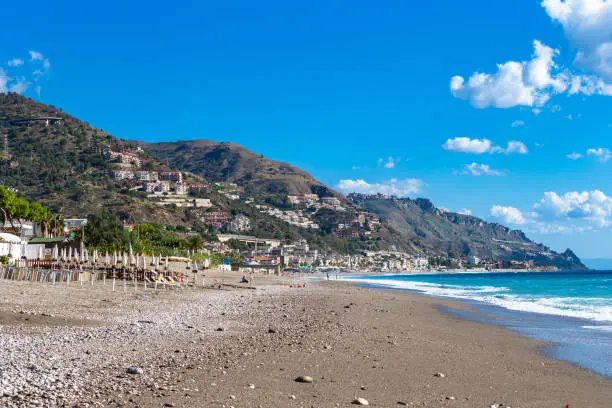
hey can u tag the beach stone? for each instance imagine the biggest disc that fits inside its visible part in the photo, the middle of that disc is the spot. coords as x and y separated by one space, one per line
360 401
252 386
451 398
134 370
220 329
304 379
440 375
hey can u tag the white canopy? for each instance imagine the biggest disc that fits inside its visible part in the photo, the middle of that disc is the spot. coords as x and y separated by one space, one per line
9 238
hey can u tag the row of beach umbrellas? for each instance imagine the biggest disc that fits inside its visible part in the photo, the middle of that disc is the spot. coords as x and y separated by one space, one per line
126 259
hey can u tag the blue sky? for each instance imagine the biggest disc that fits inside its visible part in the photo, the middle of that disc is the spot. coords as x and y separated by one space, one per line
338 88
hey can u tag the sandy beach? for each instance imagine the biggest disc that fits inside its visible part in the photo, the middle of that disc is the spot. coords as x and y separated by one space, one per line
71 345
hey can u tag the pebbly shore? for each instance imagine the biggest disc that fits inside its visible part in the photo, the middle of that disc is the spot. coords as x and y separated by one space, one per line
72 346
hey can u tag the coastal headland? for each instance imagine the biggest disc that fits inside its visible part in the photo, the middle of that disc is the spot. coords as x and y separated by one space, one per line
72 345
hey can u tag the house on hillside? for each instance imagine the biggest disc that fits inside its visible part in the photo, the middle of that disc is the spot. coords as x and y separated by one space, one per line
239 223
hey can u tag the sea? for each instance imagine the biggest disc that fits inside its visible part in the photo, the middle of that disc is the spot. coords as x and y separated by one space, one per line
571 310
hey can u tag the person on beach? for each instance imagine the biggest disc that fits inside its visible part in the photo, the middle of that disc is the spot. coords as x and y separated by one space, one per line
327 275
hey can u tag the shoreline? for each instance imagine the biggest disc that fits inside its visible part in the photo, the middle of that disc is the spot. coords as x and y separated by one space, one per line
384 346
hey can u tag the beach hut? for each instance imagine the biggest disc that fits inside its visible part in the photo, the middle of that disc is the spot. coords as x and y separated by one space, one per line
11 245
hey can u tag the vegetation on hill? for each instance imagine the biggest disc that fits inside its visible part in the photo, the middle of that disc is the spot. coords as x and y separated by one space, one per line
223 162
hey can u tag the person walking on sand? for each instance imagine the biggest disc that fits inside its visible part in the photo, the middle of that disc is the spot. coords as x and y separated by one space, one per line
327 275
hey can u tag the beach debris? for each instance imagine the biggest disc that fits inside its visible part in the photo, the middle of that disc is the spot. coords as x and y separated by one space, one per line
134 370
304 379
232 397
439 375
271 330
219 329
363 388
360 401
292 397
405 404
451 398
252 386
493 406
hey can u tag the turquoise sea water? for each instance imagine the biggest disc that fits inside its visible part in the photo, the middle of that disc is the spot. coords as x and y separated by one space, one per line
571 309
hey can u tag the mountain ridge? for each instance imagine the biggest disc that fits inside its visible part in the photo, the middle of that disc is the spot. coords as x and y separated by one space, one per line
65 167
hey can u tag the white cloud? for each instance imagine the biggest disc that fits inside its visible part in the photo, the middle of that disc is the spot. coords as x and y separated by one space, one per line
592 206
467 145
515 146
15 62
22 84
476 169
19 86
480 146
573 211
574 156
509 215
527 83
518 123
601 153
4 80
387 164
392 187
355 168
36 56
588 26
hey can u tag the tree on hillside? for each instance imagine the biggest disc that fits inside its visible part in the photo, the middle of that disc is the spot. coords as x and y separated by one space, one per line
104 230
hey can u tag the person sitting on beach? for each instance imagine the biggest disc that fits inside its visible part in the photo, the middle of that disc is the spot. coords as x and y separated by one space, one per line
244 279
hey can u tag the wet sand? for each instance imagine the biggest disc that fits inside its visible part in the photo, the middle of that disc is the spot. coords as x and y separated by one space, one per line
244 348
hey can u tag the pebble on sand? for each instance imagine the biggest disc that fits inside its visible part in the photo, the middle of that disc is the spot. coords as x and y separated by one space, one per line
360 401
304 379
441 375
134 370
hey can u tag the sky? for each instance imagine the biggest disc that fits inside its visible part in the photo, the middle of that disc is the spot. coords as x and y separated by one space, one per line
496 108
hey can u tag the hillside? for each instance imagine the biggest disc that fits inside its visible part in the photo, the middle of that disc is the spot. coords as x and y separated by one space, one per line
436 231
76 169
223 162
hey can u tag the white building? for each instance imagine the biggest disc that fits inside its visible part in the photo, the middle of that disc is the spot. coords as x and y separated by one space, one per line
420 262
239 223
120 175
473 260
